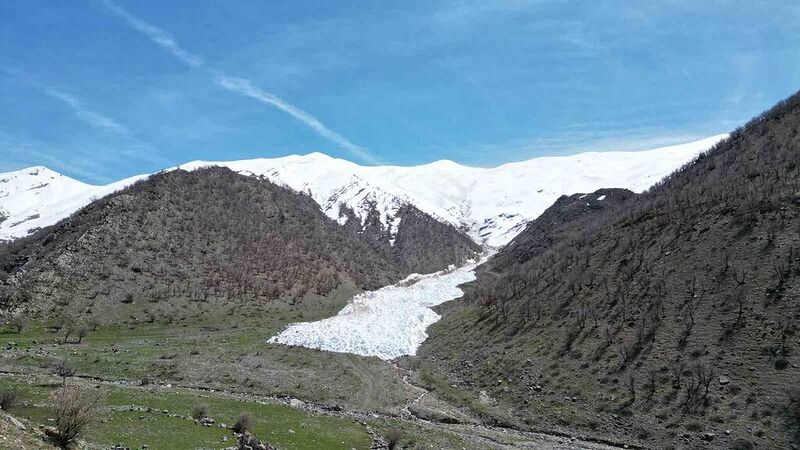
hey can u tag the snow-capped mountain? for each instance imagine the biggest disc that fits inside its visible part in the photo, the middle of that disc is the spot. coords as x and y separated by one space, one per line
36 197
491 204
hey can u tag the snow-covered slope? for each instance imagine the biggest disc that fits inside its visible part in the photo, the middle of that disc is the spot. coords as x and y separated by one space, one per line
36 197
387 323
492 204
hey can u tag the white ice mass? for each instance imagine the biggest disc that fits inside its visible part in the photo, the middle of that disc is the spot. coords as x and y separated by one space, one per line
386 323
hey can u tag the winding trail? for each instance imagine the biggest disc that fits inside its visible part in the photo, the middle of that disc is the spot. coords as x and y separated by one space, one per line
405 374
479 436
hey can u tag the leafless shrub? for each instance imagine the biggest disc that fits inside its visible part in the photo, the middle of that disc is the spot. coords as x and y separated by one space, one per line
393 438
697 388
200 411
63 369
650 385
244 424
18 322
9 398
73 410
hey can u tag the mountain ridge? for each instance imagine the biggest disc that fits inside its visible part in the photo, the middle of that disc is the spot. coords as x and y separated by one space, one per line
669 322
485 202
212 235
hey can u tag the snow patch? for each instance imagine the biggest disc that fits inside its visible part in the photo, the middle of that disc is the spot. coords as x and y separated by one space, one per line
387 323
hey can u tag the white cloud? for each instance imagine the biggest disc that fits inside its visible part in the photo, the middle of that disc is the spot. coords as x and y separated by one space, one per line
237 85
93 118
156 34
246 88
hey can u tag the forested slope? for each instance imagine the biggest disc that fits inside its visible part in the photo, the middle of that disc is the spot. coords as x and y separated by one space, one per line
670 320
179 237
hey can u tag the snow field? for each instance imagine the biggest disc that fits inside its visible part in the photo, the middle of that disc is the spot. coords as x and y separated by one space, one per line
387 323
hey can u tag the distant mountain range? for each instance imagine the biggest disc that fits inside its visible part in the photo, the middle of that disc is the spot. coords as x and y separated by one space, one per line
491 204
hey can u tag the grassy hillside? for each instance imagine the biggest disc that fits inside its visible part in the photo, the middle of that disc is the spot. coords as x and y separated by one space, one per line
670 320
160 418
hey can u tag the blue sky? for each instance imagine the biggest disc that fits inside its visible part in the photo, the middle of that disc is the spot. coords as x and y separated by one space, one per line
101 89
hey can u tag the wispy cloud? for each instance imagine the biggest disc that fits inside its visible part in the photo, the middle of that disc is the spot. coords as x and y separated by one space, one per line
245 87
89 116
133 146
155 34
78 107
241 86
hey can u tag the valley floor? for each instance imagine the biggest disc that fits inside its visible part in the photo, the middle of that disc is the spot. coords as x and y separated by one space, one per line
299 397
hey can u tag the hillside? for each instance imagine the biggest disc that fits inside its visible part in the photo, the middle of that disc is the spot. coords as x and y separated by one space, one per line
204 238
670 321
491 204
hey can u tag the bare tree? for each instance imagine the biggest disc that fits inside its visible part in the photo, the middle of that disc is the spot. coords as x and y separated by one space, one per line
18 323
81 332
63 369
676 370
650 385
73 410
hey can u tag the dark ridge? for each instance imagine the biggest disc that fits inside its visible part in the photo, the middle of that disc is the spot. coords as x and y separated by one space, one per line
665 321
422 244
209 235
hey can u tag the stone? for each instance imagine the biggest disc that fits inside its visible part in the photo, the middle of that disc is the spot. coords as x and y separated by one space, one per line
708 437
207 421
16 422
723 380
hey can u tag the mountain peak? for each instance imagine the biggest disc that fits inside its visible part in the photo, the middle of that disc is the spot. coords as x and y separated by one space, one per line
317 156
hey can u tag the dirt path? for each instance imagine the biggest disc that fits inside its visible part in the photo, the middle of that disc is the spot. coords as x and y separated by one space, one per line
477 436
369 393
417 392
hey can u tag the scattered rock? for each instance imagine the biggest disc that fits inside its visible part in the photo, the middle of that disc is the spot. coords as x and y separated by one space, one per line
206 421
723 380
16 422
708 437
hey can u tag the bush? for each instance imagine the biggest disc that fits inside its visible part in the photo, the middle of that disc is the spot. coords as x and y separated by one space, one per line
200 411
244 424
18 323
9 398
73 410
393 438
63 369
